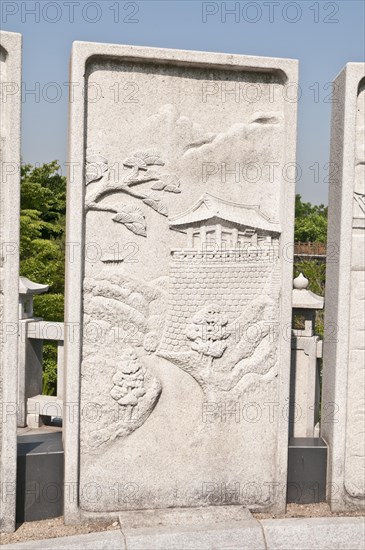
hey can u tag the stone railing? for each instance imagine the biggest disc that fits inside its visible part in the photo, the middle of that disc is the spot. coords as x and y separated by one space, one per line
314 250
254 252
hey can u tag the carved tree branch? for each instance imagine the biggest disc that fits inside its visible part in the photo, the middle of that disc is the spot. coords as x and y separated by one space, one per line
120 187
100 208
143 179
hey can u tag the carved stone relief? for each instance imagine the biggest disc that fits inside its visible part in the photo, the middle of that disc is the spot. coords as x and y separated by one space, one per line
118 312
138 173
192 316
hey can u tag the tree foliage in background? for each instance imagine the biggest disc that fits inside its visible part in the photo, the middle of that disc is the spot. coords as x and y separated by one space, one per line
310 222
42 243
311 226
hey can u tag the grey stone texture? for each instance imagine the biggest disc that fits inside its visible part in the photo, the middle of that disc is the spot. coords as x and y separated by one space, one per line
10 82
321 533
178 191
247 534
343 404
106 540
205 528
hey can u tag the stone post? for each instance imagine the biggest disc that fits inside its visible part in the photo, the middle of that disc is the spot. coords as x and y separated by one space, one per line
10 82
343 401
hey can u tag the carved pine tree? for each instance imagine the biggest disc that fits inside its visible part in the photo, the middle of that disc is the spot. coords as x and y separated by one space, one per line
208 332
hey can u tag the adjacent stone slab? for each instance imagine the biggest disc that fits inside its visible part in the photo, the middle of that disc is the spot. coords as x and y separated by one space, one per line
245 536
343 409
180 210
212 515
319 533
106 540
199 528
10 106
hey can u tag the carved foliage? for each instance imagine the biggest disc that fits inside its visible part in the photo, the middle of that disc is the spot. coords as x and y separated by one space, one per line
139 173
128 381
132 217
128 333
96 167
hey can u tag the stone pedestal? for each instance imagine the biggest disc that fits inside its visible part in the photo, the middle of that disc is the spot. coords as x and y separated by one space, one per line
10 106
343 410
181 196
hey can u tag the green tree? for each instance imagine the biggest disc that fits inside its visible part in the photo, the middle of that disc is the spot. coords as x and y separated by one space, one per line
42 225
311 226
42 243
310 221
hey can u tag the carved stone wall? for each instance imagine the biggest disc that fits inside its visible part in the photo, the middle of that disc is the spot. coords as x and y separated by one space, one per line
230 284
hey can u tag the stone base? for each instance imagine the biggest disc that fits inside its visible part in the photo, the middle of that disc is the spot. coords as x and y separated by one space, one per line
141 519
39 476
249 534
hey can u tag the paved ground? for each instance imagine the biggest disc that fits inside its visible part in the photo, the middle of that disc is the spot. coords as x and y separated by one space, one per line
241 533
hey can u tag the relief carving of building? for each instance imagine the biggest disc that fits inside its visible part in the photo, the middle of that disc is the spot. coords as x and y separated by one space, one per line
230 261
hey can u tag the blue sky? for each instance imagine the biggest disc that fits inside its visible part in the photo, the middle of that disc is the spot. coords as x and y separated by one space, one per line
323 35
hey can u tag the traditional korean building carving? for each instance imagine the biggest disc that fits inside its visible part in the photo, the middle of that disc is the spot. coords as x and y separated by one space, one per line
231 252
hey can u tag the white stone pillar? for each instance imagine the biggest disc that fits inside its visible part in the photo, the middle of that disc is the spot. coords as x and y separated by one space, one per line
218 235
203 238
343 398
10 75
234 237
190 237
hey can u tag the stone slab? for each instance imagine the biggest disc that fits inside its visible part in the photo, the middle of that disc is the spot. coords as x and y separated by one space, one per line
246 535
181 209
10 105
345 533
320 533
212 515
343 405
105 540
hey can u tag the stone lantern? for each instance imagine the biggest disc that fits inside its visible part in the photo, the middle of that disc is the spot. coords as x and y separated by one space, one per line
27 290
306 350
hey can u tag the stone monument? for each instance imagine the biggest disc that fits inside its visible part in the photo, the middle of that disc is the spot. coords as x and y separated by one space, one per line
10 77
180 213
343 401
